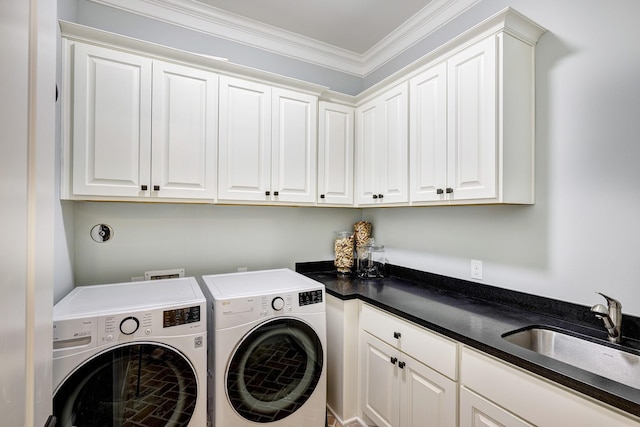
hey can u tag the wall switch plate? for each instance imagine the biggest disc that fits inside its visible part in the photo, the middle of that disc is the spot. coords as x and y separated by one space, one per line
476 269
164 274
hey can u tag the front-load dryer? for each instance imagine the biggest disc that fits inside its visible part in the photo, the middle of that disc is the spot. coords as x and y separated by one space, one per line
268 349
131 354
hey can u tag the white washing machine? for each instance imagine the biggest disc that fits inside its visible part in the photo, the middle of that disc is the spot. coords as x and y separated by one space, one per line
268 349
131 354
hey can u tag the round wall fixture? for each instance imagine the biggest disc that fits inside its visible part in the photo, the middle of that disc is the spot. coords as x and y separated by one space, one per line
101 233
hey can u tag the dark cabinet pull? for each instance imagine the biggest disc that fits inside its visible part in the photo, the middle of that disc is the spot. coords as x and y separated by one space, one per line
144 187
380 196
267 193
449 190
393 360
375 196
322 196
275 193
401 365
397 335
439 191
156 188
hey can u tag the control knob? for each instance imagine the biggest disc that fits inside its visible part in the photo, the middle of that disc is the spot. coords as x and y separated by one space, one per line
277 303
129 325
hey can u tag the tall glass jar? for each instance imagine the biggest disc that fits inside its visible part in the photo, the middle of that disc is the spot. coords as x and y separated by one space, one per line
343 250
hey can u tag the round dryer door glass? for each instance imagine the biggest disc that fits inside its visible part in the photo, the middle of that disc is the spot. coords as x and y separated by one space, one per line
133 385
274 370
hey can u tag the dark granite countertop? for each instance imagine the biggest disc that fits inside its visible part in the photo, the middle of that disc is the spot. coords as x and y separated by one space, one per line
478 315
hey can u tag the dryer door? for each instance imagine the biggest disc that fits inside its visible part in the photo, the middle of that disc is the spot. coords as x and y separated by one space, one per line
142 384
274 370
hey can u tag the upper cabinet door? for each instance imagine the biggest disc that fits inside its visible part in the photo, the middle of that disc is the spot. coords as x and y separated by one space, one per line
185 131
294 146
111 122
394 150
366 170
472 157
335 154
245 140
382 148
428 135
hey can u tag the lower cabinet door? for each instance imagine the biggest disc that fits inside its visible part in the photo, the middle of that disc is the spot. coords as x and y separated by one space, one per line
399 391
427 398
379 381
475 411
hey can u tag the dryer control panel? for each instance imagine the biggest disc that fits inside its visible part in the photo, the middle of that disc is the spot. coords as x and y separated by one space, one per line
245 309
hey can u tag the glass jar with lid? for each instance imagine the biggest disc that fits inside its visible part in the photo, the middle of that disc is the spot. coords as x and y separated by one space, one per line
371 260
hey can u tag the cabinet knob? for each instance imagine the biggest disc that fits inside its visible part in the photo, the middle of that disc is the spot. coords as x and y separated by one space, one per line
449 190
401 365
156 188
322 196
144 187
276 193
393 360
439 191
267 193
375 196
397 335
380 196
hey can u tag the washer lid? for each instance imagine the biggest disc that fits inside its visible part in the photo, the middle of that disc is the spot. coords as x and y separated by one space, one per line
128 296
256 283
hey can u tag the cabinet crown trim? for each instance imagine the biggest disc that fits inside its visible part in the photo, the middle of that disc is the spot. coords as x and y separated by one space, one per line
77 32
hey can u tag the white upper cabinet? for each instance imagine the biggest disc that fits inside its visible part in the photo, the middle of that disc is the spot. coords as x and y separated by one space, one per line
267 143
335 154
428 134
244 169
185 131
472 126
294 146
381 171
140 128
111 124
145 122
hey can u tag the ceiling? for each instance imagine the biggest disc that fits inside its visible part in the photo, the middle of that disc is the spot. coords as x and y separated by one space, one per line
350 36
352 25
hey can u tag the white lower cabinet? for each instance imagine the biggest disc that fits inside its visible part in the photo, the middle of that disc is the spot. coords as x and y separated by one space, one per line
399 383
494 393
478 412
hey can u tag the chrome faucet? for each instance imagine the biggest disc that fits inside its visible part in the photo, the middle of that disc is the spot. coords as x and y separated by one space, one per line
611 316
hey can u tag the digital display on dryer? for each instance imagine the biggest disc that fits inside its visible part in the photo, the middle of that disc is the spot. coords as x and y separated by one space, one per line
310 297
180 316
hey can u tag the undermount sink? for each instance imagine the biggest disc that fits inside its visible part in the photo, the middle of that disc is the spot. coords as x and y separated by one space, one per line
600 359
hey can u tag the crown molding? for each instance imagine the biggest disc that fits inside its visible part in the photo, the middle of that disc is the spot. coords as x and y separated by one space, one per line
219 23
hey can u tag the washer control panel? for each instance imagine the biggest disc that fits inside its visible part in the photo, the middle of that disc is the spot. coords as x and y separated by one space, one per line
180 316
310 297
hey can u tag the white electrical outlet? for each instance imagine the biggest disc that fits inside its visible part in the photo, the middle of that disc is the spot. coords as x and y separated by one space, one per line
476 269
242 269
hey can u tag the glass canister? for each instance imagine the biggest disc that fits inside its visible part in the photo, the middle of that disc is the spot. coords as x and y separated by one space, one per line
343 250
371 260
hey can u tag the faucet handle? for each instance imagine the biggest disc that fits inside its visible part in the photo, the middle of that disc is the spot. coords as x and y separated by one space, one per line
612 302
